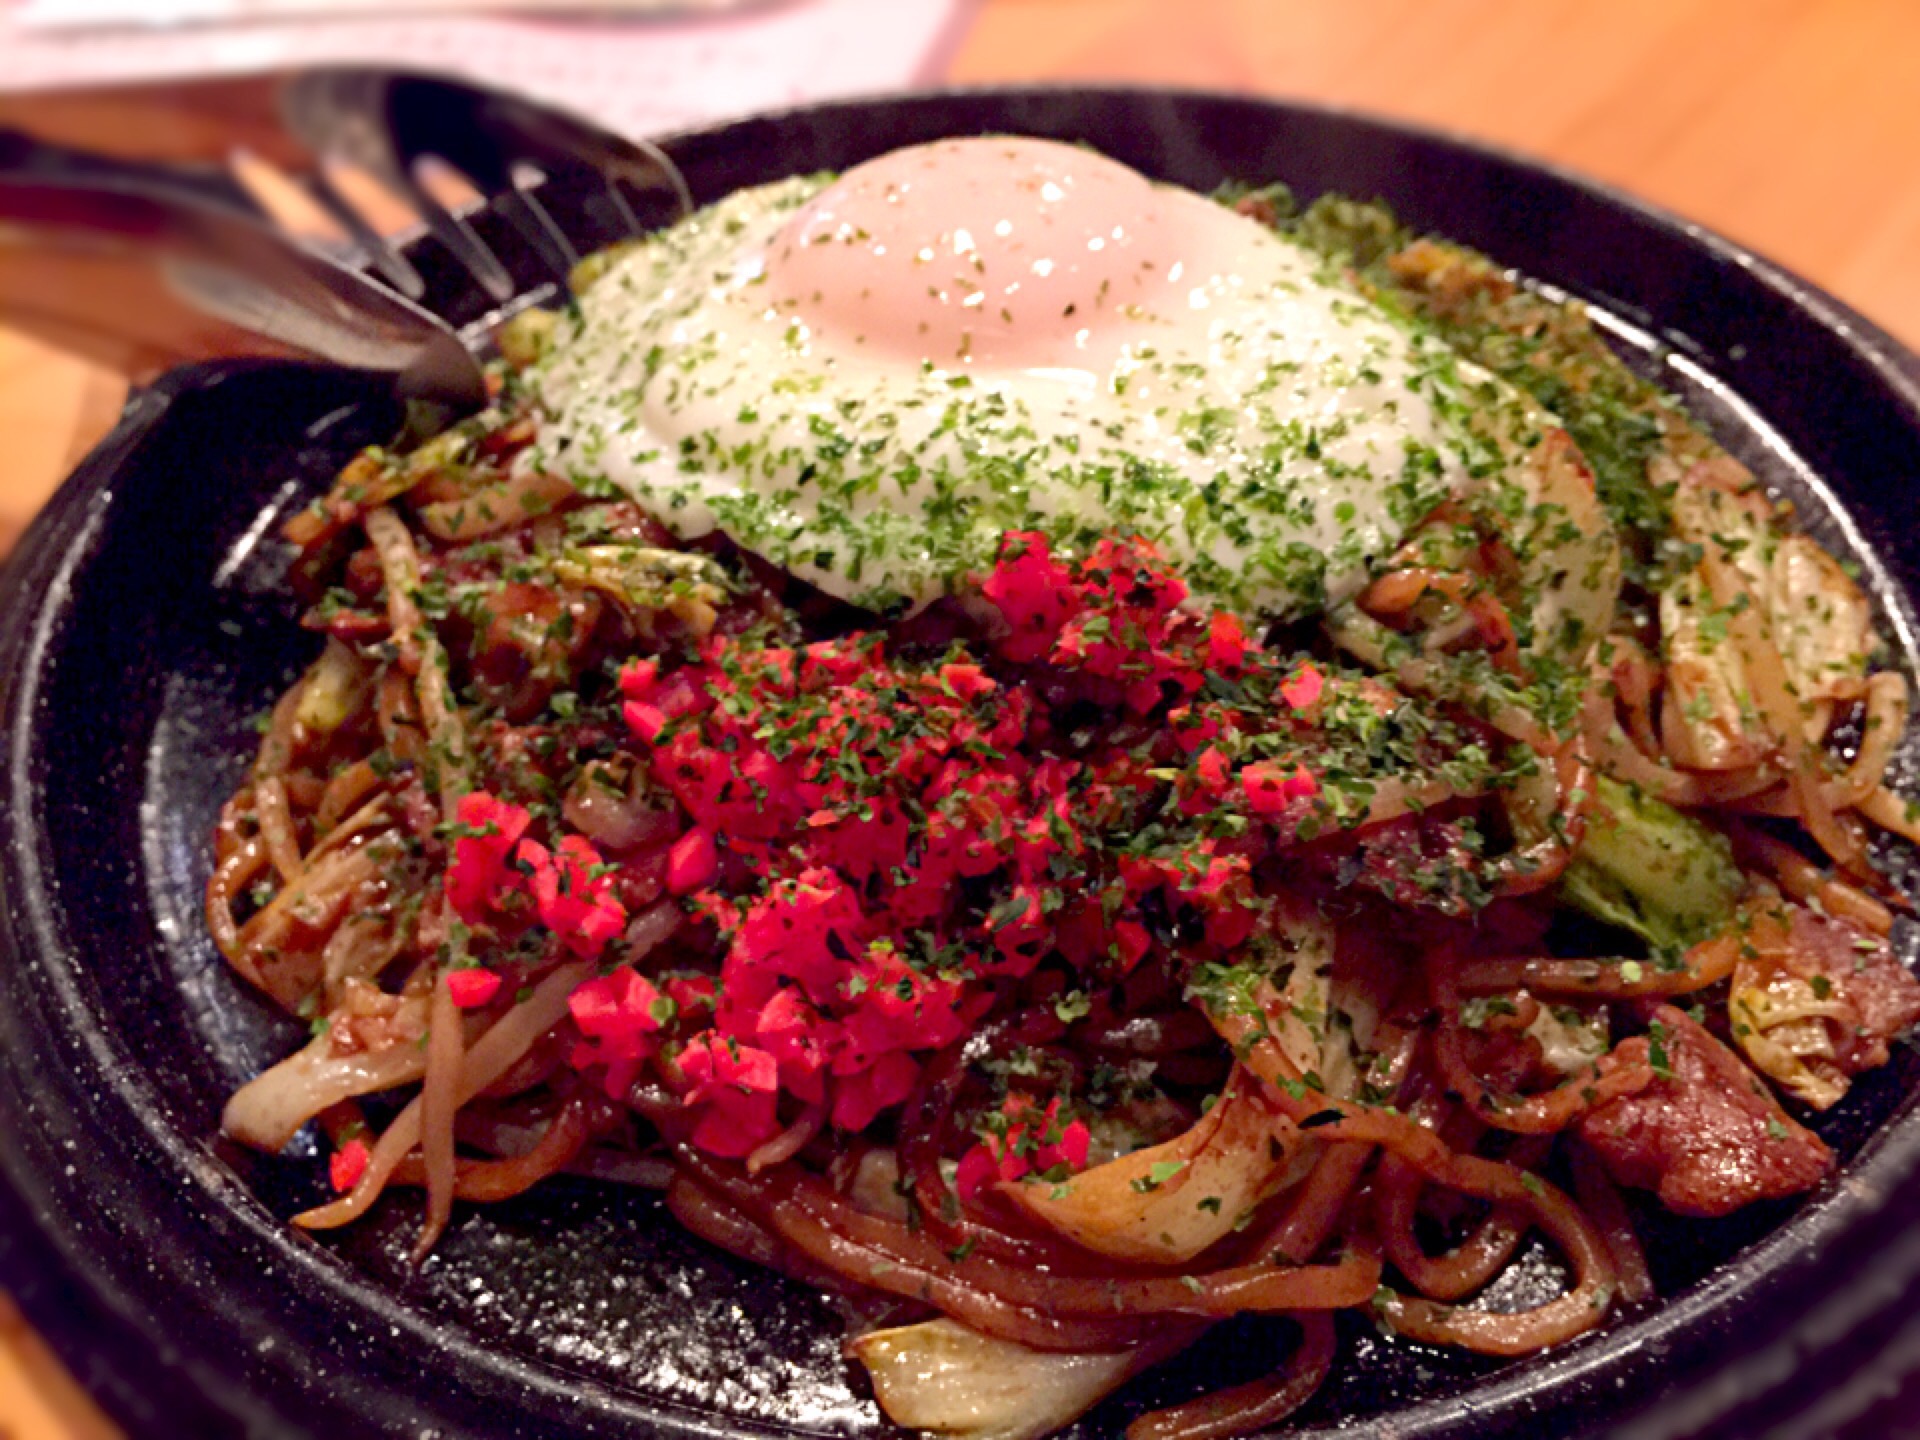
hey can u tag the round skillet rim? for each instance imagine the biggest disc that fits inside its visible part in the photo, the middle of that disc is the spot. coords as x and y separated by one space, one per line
113 1325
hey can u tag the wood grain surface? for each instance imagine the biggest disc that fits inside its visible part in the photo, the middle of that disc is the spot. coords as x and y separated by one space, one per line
1787 124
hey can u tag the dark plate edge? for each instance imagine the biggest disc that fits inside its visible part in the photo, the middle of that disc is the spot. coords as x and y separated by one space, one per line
65 522
94 1325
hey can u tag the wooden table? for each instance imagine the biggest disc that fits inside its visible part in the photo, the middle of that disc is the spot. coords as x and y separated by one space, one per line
1787 124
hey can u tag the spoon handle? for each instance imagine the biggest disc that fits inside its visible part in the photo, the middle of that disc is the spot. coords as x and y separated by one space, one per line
141 274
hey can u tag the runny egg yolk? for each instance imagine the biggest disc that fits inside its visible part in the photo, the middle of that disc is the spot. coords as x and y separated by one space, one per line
868 381
1009 254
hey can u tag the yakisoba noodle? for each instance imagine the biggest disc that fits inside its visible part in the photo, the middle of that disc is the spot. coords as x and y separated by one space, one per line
1029 915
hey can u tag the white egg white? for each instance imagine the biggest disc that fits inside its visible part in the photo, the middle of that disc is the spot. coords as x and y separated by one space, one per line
1271 429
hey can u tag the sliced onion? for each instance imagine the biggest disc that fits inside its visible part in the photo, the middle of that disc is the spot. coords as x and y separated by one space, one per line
1167 1203
939 1376
439 1102
280 960
400 573
267 1110
1615 754
612 806
334 690
276 826
1891 813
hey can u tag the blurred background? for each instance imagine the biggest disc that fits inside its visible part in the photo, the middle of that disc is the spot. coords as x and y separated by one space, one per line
1789 125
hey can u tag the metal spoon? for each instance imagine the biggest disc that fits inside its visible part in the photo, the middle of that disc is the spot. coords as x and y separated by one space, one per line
145 277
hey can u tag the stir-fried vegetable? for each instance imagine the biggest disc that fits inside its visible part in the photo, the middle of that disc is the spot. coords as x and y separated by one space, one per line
1650 869
941 1377
1164 1204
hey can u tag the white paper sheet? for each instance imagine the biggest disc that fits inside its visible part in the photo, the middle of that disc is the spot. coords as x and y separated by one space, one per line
637 75
53 15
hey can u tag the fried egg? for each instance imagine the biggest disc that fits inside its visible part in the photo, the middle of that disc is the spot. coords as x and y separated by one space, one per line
869 379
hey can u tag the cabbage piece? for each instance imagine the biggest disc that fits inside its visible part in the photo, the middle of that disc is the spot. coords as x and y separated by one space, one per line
1167 1203
1815 1000
1782 1026
1821 622
640 577
1815 614
1571 1040
1303 1022
1709 716
1647 868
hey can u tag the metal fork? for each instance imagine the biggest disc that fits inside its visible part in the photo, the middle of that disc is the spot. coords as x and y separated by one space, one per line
395 125
495 196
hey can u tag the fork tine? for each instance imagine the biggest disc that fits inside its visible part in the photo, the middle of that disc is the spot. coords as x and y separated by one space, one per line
558 145
656 167
532 219
385 257
510 134
393 123
628 220
347 114
288 200
612 166
511 184
458 236
311 208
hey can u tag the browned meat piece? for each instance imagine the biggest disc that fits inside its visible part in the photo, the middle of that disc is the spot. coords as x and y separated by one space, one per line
1884 991
532 644
1707 1137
